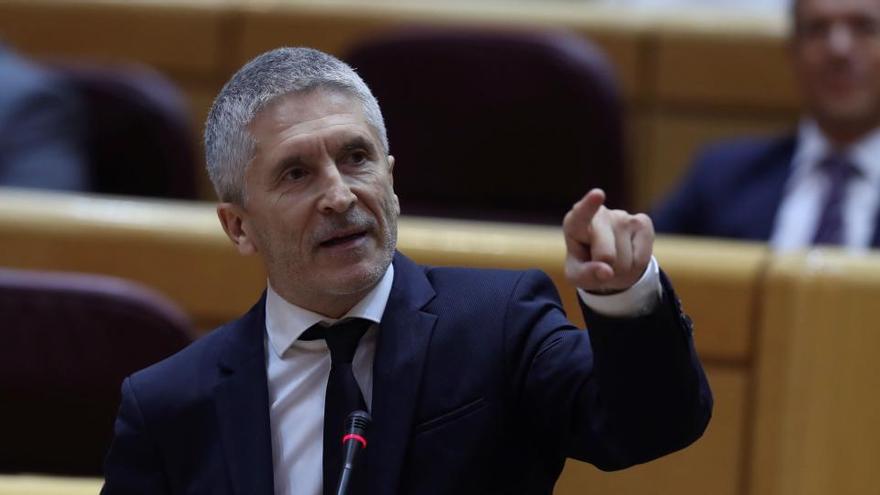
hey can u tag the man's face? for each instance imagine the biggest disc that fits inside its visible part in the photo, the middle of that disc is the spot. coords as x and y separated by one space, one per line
320 207
836 51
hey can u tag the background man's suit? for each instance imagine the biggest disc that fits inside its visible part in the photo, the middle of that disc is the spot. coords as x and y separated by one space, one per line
733 189
481 386
41 121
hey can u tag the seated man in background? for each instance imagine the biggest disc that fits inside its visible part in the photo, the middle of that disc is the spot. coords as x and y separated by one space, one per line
476 381
820 186
41 129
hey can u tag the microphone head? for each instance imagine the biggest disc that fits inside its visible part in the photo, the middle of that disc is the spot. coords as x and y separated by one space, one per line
358 422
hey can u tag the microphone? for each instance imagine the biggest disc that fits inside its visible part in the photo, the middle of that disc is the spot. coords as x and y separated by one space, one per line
353 441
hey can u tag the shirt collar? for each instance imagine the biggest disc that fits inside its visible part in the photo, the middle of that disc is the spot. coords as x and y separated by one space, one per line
813 147
865 155
285 322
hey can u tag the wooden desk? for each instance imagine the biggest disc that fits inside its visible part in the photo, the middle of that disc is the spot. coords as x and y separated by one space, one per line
817 411
31 484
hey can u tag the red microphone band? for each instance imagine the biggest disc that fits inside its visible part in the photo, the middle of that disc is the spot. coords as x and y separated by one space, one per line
354 436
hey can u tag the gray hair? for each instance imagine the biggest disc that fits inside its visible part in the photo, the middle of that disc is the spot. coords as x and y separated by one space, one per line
229 146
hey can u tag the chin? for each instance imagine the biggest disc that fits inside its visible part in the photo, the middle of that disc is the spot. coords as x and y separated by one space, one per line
356 280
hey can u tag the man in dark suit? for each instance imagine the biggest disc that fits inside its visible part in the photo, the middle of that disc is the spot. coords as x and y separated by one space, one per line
41 119
820 186
476 381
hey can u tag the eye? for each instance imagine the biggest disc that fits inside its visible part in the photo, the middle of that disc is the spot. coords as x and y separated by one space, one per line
295 173
865 26
815 29
357 157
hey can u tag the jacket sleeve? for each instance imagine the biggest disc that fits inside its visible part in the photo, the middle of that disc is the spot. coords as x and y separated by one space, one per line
627 391
133 464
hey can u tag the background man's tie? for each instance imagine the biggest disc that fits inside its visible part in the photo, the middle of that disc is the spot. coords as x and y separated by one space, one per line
839 170
343 394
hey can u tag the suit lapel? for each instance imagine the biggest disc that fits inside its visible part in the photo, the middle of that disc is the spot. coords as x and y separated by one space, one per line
875 240
242 402
404 334
763 202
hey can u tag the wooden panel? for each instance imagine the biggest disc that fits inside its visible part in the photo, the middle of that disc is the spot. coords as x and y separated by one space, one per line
718 283
724 70
178 248
182 37
818 410
713 465
623 49
48 485
336 27
671 140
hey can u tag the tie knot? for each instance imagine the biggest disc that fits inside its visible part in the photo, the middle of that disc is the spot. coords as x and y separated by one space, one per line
838 167
342 338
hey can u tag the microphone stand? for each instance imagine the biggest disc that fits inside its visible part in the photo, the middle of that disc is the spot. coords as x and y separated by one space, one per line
354 440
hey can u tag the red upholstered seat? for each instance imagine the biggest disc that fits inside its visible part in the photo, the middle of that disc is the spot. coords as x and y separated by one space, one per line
66 343
139 137
500 125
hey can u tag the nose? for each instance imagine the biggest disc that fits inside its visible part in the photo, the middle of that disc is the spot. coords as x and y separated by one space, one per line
337 196
840 38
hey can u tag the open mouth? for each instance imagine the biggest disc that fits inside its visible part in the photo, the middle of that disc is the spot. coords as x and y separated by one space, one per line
343 239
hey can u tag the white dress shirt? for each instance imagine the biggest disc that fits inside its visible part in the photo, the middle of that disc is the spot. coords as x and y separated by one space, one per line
804 194
298 371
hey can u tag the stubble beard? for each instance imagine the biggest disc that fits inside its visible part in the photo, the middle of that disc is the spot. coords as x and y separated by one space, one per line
302 284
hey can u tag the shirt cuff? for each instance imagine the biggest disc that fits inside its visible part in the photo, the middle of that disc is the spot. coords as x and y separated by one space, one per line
638 300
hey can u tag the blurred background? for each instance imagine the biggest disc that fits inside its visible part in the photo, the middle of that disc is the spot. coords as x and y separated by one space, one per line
500 113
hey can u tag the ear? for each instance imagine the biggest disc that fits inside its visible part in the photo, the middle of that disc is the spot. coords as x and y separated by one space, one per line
233 218
390 159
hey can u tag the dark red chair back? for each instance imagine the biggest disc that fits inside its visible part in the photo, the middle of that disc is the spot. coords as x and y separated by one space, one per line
66 343
139 136
499 125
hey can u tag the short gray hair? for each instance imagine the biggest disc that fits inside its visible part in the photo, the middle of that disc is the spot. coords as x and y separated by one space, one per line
229 146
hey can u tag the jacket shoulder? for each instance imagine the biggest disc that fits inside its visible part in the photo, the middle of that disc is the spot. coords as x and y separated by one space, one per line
191 373
742 152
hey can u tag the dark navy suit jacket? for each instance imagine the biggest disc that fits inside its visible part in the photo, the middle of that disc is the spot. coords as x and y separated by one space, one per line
733 189
481 386
42 143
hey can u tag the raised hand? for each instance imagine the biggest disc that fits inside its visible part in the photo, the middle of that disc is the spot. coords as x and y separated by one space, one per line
607 250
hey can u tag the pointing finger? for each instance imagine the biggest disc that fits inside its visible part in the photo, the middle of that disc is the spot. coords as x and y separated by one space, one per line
583 211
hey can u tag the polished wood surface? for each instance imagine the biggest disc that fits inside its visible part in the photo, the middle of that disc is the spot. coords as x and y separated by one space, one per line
31 484
818 409
180 249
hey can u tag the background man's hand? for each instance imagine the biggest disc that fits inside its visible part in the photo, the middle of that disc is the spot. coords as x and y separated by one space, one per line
607 250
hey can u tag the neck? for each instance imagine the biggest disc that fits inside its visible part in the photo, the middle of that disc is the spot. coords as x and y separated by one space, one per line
332 306
844 135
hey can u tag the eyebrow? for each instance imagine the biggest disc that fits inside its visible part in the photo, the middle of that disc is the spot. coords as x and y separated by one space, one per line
357 142
351 143
286 163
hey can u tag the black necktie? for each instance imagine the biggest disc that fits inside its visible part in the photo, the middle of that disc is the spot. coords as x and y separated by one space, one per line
343 394
839 170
